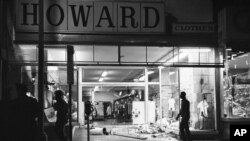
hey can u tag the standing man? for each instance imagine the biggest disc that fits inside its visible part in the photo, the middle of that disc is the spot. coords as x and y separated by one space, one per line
185 116
62 114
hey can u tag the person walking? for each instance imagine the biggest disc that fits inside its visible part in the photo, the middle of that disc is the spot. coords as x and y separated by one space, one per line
185 116
62 114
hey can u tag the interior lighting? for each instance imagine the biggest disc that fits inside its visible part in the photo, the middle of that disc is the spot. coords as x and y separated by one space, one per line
142 78
52 68
229 49
104 74
96 88
176 58
161 67
101 79
190 50
171 73
150 72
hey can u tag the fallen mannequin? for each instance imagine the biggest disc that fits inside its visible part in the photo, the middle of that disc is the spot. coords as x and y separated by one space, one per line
98 131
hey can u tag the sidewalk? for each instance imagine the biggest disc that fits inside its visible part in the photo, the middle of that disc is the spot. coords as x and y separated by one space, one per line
81 135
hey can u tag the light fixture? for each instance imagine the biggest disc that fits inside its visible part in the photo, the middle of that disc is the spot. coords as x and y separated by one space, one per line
171 73
101 79
150 72
142 78
96 88
104 74
229 49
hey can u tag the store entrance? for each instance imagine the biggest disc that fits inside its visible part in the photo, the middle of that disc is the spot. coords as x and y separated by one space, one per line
116 105
130 101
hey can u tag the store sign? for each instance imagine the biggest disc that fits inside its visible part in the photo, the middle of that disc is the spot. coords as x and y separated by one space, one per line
69 16
193 28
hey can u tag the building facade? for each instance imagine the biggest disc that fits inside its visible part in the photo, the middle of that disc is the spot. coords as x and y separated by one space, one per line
150 50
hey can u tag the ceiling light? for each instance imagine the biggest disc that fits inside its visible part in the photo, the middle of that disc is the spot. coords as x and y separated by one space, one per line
96 88
101 79
104 74
142 78
229 49
171 73
150 72
135 80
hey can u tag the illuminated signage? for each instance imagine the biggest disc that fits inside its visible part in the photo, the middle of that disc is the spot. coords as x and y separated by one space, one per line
193 28
91 16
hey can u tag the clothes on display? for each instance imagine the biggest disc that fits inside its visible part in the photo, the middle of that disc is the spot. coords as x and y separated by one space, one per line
109 112
171 104
203 114
203 106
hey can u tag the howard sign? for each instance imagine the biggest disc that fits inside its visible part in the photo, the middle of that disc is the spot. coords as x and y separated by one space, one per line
71 16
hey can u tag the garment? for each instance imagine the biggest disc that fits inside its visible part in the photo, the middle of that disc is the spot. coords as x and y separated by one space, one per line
171 104
202 106
109 112
62 118
185 116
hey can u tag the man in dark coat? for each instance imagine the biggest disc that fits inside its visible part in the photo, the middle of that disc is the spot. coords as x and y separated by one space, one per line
62 114
185 116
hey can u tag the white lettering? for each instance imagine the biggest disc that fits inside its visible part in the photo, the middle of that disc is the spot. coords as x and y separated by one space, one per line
243 131
237 132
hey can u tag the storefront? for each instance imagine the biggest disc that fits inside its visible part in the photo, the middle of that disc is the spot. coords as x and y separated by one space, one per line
131 60
234 37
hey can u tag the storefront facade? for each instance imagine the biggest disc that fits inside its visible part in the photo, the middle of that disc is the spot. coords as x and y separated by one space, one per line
161 51
234 37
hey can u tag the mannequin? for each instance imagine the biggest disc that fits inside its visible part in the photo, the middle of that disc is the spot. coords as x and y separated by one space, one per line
171 106
202 110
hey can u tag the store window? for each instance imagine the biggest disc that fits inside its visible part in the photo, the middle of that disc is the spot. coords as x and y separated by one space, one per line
236 90
198 83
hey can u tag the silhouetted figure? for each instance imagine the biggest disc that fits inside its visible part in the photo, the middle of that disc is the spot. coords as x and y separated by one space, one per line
62 114
6 118
25 111
185 116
